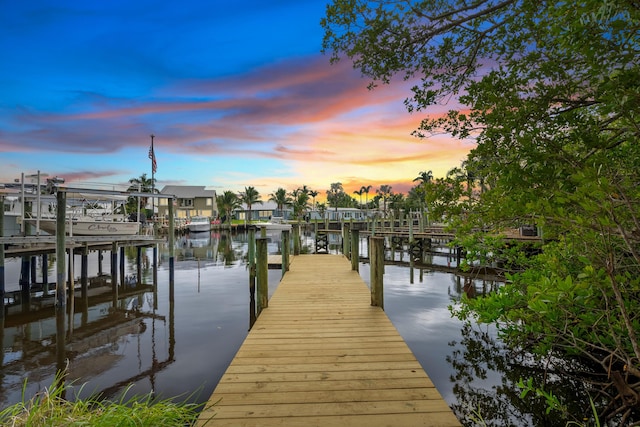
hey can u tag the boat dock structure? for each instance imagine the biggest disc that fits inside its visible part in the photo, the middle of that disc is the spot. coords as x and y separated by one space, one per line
322 353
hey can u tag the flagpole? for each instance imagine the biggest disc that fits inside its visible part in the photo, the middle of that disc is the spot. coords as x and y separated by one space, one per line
153 181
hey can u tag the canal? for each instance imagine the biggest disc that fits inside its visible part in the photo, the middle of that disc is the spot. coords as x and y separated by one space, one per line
149 344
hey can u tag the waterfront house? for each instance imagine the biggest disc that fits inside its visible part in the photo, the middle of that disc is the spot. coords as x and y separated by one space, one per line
263 212
340 214
190 201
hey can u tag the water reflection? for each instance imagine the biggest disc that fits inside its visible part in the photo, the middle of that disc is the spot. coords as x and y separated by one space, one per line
138 338
485 376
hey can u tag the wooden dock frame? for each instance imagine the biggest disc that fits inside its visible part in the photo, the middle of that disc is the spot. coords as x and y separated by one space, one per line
322 355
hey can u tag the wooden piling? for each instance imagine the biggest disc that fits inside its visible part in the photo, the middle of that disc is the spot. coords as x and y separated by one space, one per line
61 213
154 262
114 273
172 234
45 274
285 251
262 267
377 271
2 282
355 249
296 239
251 255
123 258
84 273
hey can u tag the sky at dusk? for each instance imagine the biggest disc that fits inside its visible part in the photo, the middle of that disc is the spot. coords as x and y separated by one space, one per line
237 94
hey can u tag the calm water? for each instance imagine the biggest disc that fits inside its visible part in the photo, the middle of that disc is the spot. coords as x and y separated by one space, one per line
183 348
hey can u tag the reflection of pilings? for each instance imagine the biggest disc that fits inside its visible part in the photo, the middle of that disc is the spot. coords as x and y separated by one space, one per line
155 366
139 264
61 356
172 329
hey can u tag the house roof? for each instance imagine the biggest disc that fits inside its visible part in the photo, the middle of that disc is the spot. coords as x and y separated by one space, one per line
188 191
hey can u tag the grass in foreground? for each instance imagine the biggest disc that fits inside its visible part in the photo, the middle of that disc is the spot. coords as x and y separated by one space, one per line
49 408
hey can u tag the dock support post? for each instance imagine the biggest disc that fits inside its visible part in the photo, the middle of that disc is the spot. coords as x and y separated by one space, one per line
377 271
114 273
355 249
25 271
45 274
262 274
61 213
410 231
251 255
99 262
34 273
172 236
154 262
285 251
296 240
2 282
123 282
84 280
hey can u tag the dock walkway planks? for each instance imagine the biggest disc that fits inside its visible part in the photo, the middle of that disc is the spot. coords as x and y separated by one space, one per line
321 355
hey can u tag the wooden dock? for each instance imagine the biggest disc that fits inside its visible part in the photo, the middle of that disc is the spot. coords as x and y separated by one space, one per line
321 355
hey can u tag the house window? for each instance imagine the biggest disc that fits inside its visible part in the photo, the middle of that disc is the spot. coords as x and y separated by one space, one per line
186 203
209 201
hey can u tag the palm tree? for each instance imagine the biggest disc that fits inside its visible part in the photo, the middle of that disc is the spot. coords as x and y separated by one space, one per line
396 203
365 190
425 177
300 204
143 185
227 203
249 197
335 194
313 193
384 191
359 193
280 198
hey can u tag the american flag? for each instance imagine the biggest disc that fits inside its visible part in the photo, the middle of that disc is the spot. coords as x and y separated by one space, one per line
152 156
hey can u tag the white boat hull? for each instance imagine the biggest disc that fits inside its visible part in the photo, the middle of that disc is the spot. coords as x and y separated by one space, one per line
93 228
199 226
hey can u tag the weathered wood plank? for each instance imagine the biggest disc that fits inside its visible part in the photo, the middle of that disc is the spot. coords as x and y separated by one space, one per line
320 355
